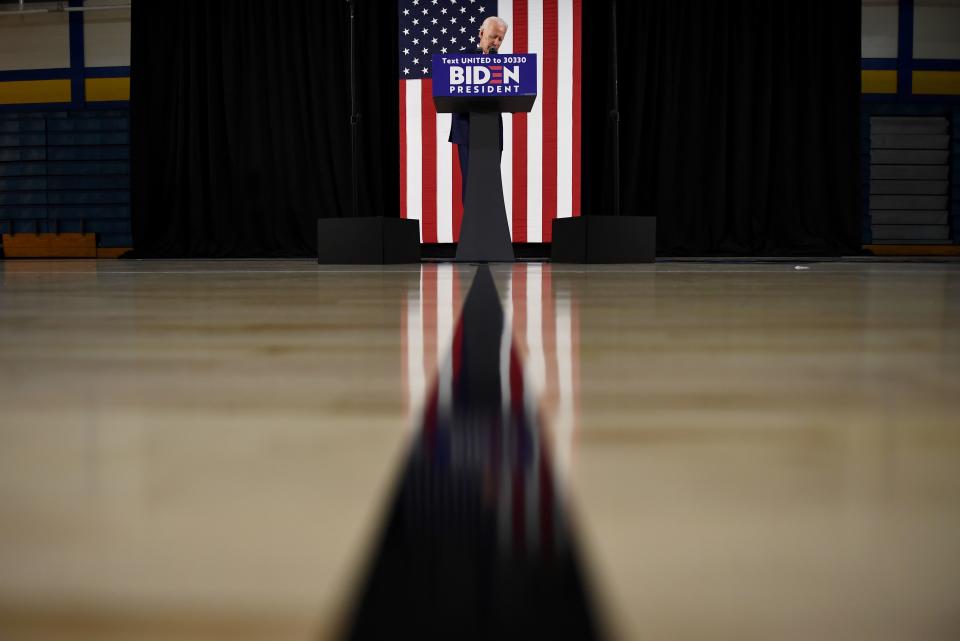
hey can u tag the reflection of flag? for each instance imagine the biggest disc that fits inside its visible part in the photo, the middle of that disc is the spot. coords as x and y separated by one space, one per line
479 502
540 338
541 159
428 320
530 449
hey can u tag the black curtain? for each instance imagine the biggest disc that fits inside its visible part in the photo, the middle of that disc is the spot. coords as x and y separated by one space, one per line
739 123
240 118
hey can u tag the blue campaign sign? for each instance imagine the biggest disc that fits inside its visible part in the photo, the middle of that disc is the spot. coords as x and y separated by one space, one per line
484 75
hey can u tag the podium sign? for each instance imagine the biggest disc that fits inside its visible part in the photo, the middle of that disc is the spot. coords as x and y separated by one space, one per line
480 82
484 85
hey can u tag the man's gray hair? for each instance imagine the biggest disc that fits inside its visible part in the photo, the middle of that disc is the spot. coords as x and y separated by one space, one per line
493 19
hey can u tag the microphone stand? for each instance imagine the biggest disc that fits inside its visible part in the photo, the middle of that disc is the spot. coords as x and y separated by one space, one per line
615 113
355 238
354 117
611 237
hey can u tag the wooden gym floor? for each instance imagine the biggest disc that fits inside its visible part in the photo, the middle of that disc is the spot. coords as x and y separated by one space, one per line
745 451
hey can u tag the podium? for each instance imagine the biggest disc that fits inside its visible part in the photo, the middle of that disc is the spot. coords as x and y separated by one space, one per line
485 86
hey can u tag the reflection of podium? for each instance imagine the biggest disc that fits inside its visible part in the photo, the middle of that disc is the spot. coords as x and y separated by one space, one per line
484 85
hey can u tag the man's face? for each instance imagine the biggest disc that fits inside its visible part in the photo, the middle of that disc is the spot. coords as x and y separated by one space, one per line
492 36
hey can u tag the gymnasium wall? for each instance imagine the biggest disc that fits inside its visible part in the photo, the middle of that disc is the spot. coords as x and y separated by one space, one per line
911 68
64 120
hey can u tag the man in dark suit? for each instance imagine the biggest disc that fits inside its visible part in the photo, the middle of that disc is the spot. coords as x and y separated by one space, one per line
492 32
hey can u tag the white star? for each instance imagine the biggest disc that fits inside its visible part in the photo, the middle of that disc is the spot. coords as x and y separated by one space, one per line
453 20
406 12
426 71
463 9
434 21
443 10
416 61
453 40
416 41
472 19
463 29
406 32
405 71
415 22
443 50
424 12
433 41
443 30
425 50
406 52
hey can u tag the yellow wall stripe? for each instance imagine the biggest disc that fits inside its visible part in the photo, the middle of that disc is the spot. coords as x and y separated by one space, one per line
938 83
99 89
21 92
18 92
878 81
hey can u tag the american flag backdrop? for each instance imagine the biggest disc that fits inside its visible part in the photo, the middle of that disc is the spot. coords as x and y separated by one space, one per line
541 156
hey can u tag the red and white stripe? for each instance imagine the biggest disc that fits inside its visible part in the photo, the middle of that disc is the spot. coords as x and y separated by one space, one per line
539 349
541 160
430 312
539 376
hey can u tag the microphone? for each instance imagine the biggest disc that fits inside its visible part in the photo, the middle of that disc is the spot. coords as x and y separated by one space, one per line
492 50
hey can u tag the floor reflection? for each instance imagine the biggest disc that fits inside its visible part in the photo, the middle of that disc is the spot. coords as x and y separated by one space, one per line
477 542
541 321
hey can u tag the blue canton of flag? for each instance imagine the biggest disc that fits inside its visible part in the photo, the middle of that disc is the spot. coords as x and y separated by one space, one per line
438 26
